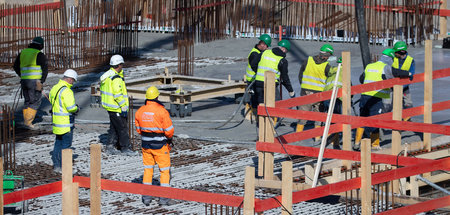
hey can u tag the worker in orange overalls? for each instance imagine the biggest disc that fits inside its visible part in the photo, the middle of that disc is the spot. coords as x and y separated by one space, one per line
155 126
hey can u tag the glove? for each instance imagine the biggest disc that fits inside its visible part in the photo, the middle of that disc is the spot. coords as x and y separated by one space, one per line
78 110
292 94
124 114
411 76
170 142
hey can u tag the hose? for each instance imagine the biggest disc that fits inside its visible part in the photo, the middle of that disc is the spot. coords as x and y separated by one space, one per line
238 108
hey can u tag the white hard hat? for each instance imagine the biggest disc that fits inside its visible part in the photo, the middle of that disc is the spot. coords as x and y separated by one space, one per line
116 60
71 74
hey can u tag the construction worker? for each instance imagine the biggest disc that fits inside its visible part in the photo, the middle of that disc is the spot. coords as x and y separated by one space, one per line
63 110
329 84
264 43
312 76
31 66
271 60
115 100
153 123
371 102
405 62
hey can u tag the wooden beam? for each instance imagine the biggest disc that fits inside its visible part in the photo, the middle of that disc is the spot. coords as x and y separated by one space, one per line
346 104
95 180
269 101
396 135
414 186
428 92
443 21
420 207
366 179
309 173
75 199
286 189
67 182
249 191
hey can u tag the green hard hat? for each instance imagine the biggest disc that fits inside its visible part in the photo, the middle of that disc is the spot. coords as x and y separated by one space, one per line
400 46
286 44
38 40
339 60
266 39
327 48
389 52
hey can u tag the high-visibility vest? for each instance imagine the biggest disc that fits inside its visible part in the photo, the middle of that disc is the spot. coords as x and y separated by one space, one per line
249 73
406 64
329 83
28 67
373 73
63 105
154 124
269 62
314 75
113 90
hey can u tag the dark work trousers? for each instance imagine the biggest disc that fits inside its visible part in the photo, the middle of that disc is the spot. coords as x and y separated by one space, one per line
370 106
258 97
63 141
31 95
118 131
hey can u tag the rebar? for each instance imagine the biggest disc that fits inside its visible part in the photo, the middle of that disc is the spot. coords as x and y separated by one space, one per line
7 140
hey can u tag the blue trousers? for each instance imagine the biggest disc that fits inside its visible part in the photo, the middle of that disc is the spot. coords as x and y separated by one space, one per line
370 106
63 141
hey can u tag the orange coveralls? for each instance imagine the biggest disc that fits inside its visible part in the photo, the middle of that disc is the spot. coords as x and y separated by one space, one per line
155 126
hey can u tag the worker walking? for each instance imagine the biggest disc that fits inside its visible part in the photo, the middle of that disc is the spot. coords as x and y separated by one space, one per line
115 100
31 66
271 60
403 61
312 76
63 118
329 84
264 43
153 123
371 102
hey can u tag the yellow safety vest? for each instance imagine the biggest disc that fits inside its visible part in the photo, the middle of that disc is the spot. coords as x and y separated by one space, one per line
406 64
63 105
28 67
329 84
269 62
249 73
373 73
113 91
314 75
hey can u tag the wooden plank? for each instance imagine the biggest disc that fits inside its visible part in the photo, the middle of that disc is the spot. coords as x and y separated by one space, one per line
95 172
443 21
67 182
309 173
33 192
428 92
366 182
269 101
414 186
249 191
420 207
286 189
396 135
346 104
75 199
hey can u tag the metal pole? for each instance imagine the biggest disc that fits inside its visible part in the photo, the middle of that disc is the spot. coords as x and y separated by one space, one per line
418 177
363 38
327 128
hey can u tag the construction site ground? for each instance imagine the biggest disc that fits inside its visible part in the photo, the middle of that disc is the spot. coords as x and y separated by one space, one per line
204 158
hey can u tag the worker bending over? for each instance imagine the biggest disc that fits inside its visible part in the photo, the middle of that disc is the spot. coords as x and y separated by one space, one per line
371 103
403 61
275 61
63 110
153 123
115 100
31 66
312 76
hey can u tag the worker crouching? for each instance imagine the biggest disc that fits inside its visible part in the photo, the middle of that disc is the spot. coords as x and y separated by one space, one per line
153 123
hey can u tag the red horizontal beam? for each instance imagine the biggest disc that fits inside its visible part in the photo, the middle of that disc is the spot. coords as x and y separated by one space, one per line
420 207
334 128
356 120
33 192
355 183
339 154
30 9
202 6
165 192
357 89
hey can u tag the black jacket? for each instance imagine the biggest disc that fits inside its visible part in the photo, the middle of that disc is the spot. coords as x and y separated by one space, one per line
41 61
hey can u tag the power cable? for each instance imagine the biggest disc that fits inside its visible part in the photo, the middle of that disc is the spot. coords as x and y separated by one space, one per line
278 136
238 207
283 208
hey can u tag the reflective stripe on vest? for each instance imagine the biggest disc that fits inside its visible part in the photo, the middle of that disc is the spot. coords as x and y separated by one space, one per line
314 75
60 113
269 62
110 101
373 73
28 66
406 64
249 73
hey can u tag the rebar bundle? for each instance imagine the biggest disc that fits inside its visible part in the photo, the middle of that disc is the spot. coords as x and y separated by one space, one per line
7 140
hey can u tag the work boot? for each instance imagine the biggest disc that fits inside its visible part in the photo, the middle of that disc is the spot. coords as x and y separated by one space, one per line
407 119
129 152
358 137
147 200
375 139
299 128
57 170
28 117
112 150
318 138
166 201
